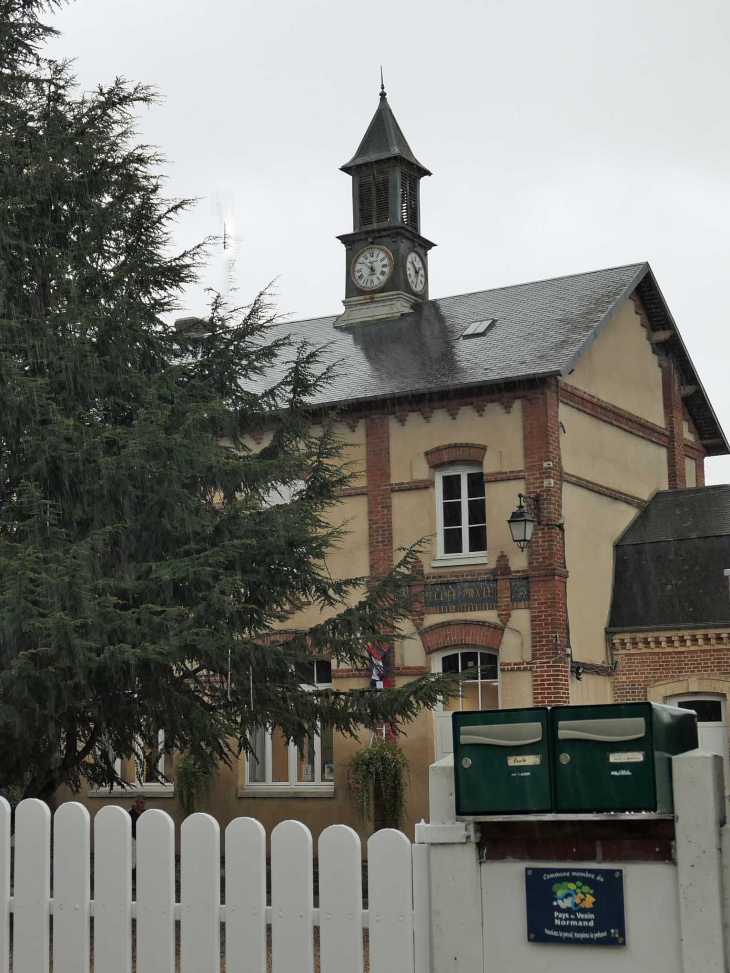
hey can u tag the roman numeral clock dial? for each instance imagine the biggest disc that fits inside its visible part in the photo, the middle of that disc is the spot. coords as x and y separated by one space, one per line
372 267
416 272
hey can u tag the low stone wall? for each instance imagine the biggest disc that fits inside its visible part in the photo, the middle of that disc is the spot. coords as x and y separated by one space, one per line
675 880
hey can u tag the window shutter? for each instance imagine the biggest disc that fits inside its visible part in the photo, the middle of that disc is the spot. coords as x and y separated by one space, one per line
409 200
366 200
373 198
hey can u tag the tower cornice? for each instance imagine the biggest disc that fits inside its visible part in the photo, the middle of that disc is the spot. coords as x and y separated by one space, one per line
372 234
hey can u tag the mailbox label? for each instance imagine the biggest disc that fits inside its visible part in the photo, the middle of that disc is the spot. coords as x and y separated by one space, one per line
525 760
629 757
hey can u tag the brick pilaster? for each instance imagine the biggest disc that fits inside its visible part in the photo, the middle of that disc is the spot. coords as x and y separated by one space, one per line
673 420
380 510
548 606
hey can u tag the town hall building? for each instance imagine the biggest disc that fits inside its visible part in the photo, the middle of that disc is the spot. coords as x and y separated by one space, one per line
554 408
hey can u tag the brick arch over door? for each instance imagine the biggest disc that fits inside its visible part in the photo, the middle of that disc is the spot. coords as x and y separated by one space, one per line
445 635
708 682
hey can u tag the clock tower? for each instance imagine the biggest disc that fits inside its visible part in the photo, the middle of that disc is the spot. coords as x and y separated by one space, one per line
386 256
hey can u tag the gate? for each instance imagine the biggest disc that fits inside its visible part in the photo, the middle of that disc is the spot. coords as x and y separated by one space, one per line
54 915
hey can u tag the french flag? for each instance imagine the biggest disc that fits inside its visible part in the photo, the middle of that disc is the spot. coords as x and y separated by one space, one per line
379 675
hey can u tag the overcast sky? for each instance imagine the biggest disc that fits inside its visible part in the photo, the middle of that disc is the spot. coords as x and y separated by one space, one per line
562 137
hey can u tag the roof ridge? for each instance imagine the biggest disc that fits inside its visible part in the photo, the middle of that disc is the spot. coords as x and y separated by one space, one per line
494 290
542 280
707 486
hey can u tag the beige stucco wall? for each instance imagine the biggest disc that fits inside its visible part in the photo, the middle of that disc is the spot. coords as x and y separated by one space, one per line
690 471
590 689
515 689
606 454
593 524
414 518
621 368
227 798
352 440
500 431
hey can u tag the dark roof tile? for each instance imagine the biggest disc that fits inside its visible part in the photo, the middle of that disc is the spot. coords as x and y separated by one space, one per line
540 328
677 515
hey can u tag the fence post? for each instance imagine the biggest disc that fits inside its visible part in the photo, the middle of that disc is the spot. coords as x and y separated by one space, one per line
422 908
699 806
455 882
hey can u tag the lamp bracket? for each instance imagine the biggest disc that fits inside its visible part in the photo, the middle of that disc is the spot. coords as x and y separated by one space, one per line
534 499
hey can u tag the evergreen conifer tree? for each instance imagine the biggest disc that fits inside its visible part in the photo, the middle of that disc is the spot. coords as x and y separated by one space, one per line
143 564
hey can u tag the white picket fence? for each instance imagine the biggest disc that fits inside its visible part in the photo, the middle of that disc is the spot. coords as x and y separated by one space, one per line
396 920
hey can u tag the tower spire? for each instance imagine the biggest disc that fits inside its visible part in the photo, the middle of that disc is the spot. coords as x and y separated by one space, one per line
387 257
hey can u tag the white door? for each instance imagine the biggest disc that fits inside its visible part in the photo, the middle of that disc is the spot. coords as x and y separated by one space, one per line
711 710
479 690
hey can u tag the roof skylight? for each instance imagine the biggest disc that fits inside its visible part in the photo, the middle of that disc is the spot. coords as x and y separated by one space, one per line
477 328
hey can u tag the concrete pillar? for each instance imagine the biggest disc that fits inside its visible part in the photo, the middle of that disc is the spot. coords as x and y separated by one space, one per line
456 895
725 852
699 806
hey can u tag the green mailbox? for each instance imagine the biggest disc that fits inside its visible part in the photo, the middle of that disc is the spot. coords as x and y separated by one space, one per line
616 757
502 761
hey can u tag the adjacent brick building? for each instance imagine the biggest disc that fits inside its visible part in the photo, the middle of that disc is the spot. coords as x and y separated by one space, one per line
669 627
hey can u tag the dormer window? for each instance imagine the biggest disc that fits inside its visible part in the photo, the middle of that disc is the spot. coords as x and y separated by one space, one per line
409 199
373 189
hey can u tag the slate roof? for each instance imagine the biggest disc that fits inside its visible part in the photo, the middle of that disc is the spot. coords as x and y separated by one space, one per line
383 139
542 328
677 515
669 564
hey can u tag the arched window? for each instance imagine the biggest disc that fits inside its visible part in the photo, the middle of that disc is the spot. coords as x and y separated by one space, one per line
479 689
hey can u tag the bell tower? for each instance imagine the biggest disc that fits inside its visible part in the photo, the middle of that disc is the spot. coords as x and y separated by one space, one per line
386 271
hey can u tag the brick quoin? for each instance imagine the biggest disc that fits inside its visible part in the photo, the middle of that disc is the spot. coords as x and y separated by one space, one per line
548 605
380 509
674 421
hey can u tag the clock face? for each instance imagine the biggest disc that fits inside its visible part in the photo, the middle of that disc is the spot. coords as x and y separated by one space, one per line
372 267
416 272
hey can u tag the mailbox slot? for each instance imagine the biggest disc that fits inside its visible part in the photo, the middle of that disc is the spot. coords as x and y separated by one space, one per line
506 735
604 731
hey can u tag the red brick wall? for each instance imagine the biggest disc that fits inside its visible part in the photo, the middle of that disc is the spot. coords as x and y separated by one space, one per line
548 612
380 510
637 670
673 419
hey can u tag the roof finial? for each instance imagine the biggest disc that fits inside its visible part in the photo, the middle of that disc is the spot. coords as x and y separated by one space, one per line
382 85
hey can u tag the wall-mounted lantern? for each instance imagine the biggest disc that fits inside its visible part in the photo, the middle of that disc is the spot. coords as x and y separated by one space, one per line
522 521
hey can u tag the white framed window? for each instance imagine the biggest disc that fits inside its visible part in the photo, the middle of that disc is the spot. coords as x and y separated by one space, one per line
711 710
461 513
138 771
150 760
479 690
277 767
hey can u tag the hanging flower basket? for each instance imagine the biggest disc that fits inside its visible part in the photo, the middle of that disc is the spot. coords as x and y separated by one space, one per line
377 777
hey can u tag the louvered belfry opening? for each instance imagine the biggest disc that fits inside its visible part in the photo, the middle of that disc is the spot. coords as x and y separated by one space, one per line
373 189
409 199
